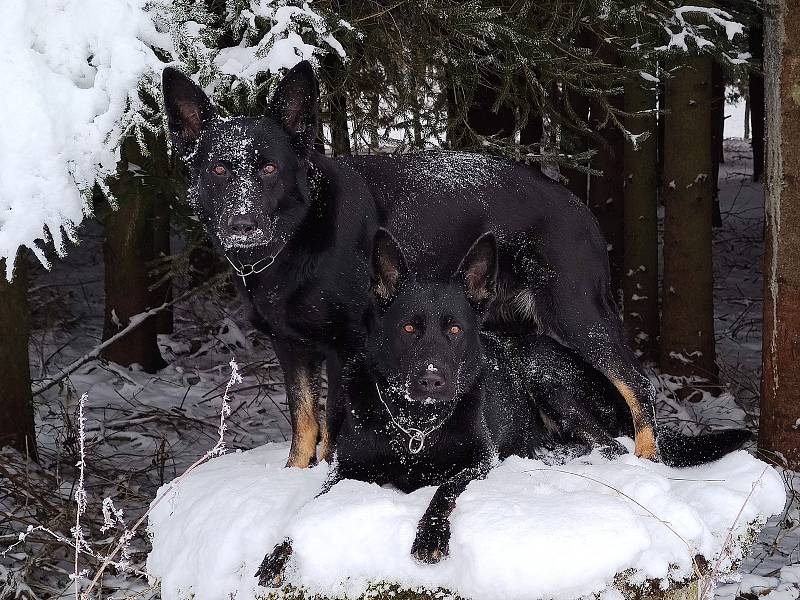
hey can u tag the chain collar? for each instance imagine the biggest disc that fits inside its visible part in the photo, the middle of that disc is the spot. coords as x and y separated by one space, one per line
416 437
244 271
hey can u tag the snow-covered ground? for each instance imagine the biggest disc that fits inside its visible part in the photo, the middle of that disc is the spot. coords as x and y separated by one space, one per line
143 430
531 529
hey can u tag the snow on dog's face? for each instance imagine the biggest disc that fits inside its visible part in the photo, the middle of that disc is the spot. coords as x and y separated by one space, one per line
423 340
249 176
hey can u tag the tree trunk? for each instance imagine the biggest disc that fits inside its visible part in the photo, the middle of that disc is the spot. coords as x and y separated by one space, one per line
757 106
747 117
640 282
337 103
374 134
687 325
606 192
573 142
780 394
165 320
455 126
128 250
533 131
717 134
661 119
340 134
16 401
481 115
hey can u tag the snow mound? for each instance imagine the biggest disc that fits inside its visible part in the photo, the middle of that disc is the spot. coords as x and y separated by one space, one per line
529 530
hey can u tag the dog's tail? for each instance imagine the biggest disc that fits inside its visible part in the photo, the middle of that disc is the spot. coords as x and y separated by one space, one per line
679 450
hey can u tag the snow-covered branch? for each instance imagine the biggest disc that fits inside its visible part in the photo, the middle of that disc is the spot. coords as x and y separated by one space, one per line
81 75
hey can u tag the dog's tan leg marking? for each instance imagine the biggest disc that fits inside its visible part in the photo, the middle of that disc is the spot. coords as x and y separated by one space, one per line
645 436
305 425
326 453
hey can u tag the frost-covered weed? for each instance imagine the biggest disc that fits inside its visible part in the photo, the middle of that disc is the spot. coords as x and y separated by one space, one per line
120 556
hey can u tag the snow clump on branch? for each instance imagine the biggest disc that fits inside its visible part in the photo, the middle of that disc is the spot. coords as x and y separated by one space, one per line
81 75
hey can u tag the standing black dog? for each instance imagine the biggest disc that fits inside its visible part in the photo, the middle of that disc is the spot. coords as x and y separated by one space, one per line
437 401
260 188
296 226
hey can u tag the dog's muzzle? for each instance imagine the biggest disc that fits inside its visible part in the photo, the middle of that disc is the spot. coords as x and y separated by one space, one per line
258 238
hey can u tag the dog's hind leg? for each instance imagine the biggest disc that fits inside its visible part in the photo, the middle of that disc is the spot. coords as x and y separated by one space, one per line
598 339
584 318
562 404
301 375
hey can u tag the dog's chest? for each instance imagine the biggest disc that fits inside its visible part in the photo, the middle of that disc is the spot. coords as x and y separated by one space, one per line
382 456
303 312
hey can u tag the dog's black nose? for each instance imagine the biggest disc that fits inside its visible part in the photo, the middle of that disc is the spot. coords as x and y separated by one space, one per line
242 224
431 381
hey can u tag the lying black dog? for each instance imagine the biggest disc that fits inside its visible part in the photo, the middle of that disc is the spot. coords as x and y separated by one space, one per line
438 402
297 228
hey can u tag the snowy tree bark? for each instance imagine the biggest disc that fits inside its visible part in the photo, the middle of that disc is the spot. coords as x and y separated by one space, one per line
717 134
640 278
573 142
165 320
333 74
606 190
128 250
756 92
780 393
687 321
16 401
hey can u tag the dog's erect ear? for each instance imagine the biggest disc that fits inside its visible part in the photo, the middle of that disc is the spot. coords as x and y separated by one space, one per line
295 105
188 109
478 270
389 269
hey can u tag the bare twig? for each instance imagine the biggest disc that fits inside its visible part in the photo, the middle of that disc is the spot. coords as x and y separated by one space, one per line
134 322
703 592
697 569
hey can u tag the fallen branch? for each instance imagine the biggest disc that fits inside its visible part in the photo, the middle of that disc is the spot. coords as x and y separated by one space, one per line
133 323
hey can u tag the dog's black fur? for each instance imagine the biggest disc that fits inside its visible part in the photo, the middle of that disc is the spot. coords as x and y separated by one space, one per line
477 396
553 273
296 224
317 216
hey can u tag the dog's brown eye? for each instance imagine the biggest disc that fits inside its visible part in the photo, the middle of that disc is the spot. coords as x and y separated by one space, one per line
409 328
269 168
455 330
219 170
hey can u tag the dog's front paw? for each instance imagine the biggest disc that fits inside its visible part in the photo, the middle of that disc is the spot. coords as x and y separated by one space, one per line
613 450
432 543
270 573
